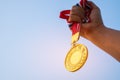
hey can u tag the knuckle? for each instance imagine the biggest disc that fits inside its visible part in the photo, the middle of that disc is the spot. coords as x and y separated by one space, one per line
73 7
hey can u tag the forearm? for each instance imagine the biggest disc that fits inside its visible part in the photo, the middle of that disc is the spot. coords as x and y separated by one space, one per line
108 40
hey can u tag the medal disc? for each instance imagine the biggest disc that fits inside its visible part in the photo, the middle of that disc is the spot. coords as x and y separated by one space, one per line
76 57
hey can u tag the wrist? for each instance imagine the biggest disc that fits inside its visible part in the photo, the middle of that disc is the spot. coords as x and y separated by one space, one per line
96 32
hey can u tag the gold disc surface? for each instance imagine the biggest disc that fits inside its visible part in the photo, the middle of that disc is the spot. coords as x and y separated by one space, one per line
76 57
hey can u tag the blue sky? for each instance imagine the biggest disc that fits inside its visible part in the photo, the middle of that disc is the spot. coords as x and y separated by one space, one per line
34 42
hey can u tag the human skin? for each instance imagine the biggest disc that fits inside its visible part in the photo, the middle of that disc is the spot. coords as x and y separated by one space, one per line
105 38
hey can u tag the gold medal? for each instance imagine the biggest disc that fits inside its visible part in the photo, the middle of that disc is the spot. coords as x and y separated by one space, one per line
76 57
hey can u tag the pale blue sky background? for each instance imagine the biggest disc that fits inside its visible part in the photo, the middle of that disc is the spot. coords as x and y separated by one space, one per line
34 42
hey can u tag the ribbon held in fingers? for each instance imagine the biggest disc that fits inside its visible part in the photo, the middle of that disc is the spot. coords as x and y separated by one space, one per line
74 26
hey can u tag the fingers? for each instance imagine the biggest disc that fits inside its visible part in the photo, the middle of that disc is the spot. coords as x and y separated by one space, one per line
76 14
77 10
93 5
74 18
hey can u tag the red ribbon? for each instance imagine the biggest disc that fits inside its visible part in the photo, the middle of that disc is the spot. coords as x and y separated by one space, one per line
65 14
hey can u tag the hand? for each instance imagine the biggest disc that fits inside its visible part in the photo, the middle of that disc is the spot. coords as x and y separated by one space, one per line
87 29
